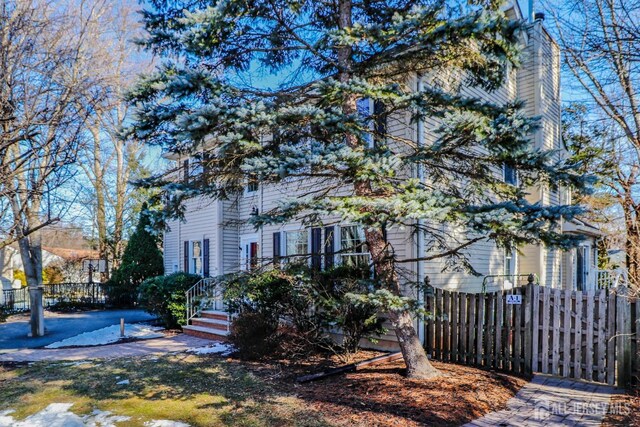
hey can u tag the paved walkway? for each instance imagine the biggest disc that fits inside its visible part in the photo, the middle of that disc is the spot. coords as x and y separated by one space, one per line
156 346
553 401
58 326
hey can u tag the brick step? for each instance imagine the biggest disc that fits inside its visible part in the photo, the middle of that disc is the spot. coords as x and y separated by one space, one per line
217 324
206 333
214 314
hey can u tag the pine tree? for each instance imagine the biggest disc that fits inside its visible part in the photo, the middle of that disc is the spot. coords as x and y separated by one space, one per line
141 259
272 89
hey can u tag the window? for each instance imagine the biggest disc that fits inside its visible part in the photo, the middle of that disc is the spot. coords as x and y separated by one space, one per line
353 246
373 113
296 243
252 184
509 174
509 268
196 257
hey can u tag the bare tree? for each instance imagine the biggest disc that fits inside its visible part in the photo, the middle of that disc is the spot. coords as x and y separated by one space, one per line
601 44
108 161
45 76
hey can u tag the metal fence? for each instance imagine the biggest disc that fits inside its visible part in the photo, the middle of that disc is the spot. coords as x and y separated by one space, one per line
16 300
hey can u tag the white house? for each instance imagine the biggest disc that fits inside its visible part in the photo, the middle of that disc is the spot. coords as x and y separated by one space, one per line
215 238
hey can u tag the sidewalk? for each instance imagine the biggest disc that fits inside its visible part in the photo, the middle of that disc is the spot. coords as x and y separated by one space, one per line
157 346
553 401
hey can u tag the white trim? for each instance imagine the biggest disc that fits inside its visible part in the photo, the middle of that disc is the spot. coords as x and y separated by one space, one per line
246 239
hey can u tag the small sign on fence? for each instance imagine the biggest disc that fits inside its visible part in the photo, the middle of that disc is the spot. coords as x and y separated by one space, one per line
514 299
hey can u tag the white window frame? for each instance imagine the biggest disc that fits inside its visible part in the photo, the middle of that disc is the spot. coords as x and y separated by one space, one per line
343 255
193 259
512 254
370 106
247 190
283 243
245 242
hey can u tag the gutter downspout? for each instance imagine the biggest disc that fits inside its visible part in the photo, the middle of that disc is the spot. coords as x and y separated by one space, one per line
420 248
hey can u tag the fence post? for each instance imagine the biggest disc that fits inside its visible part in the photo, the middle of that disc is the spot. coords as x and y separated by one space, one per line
623 337
528 330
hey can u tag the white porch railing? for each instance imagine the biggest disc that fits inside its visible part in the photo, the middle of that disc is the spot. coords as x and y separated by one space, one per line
606 279
206 294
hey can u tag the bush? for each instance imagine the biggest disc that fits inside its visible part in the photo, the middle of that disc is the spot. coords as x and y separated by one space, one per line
141 259
253 335
356 320
165 297
312 305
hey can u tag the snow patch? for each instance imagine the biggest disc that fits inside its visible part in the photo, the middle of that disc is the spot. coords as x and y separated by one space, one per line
217 348
109 335
165 423
123 382
58 415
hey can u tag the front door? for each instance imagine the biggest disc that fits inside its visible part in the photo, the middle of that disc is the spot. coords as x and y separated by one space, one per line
249 258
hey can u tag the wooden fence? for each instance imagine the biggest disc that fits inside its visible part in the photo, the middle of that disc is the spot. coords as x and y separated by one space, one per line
583 335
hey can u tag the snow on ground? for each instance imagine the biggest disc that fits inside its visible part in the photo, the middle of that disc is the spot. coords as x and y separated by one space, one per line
165 423
58 415
108 335
217 348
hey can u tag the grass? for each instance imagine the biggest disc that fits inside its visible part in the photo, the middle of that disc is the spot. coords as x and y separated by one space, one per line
198 390
209 390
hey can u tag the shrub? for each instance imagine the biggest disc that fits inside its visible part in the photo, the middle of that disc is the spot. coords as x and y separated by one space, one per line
165 297
253 335
141 259
356 320
312 305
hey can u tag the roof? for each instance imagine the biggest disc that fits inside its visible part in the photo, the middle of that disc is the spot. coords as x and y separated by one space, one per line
73 254
580 226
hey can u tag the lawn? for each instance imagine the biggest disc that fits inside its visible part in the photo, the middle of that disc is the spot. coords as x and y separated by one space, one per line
210 390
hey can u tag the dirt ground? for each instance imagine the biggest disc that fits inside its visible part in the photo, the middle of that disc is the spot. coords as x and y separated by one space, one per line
624 410
382 396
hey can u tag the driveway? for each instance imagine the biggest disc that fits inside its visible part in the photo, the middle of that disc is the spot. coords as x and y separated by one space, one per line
58 326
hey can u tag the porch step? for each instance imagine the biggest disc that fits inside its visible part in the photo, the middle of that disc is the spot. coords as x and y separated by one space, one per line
214 314
211 323
206 333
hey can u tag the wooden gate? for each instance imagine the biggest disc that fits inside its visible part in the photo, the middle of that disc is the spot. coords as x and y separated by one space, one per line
583 335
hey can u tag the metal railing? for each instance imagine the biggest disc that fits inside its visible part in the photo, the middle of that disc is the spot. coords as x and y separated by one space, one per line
16 300
206 294
504 282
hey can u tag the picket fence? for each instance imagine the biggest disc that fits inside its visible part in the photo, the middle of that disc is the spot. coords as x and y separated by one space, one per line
584 335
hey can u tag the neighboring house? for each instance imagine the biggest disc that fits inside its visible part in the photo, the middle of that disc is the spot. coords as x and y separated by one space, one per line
214 238
7 266
69 261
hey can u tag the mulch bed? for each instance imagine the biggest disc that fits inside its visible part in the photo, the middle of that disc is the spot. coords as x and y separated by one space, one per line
624 410
381 395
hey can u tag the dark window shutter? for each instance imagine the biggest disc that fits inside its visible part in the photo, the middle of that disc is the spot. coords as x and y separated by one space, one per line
380 126
316 248
185 266
276 248
329 233
185 170
205 257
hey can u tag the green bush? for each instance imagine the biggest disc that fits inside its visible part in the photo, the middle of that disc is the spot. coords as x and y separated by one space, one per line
253 335
165 297
312 304
141 259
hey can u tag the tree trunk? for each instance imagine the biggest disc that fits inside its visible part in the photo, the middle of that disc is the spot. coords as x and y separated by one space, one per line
418 366
415 358
632 241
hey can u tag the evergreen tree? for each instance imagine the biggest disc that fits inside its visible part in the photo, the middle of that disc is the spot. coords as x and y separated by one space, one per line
272 89
141 259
